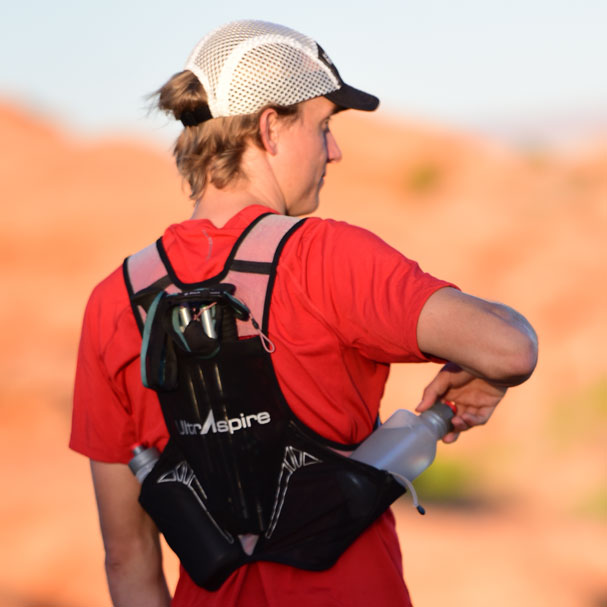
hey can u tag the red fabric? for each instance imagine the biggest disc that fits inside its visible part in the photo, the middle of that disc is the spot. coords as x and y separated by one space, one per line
344 306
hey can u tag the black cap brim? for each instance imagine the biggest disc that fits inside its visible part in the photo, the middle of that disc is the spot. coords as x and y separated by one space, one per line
347 97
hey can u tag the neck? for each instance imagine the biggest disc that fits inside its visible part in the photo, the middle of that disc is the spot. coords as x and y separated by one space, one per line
220 205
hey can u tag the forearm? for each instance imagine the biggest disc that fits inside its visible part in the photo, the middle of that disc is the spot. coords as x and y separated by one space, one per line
135 576
133 558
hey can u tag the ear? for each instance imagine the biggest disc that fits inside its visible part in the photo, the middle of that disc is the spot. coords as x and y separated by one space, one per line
268 130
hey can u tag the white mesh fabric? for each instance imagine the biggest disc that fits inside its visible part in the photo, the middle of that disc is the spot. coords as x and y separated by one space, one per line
248 64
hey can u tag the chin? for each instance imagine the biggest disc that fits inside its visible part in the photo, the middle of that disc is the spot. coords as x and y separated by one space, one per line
310 209
303 208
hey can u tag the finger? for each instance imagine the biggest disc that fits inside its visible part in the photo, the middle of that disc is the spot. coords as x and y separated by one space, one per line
459 424
450 437
473 419
429 397
433 391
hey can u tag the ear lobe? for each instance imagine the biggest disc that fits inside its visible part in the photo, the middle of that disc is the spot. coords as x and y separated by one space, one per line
268 122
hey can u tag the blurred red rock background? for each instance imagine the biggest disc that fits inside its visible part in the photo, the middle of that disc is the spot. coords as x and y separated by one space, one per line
516 510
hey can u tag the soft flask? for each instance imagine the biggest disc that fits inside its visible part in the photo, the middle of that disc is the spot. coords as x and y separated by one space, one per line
405 444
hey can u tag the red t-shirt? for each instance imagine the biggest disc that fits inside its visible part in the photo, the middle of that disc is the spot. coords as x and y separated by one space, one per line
345 305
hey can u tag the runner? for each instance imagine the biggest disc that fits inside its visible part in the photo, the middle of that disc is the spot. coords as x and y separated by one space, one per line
256 101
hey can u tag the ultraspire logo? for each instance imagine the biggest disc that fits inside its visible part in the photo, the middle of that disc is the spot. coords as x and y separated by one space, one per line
231 425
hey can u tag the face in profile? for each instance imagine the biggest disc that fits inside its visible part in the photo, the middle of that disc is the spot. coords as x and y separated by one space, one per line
305 147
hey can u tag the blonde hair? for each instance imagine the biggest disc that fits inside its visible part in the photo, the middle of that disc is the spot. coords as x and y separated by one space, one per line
212 150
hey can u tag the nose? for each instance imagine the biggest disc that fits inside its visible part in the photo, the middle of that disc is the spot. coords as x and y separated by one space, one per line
333 151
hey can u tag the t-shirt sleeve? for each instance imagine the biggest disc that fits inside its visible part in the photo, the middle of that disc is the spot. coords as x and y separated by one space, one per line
370 293
102 426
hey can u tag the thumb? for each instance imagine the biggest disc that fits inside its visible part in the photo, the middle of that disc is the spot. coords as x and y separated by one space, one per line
434 391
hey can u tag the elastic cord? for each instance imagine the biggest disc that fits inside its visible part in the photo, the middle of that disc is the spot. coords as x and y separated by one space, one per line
266 342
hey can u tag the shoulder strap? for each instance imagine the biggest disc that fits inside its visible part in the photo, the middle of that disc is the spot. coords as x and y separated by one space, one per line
145 275
251 267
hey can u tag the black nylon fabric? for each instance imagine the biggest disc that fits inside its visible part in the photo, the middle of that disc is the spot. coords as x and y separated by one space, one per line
326 501
244 424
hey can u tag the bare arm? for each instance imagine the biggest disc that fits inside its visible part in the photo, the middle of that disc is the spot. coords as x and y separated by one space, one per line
133 559
488 339
490 347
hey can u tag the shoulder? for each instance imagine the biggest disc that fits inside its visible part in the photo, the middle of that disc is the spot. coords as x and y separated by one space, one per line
364 290
333 230
110 292
343 246
108 307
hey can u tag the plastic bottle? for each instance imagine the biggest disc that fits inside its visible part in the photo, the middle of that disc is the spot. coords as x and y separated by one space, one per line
144 460
405 444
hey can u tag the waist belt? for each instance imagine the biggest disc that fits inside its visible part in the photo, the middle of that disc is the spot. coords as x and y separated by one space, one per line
241 478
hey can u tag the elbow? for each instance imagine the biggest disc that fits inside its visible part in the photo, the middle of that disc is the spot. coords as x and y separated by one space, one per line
524 362
517 363
123 555
518 347
530 353
119 557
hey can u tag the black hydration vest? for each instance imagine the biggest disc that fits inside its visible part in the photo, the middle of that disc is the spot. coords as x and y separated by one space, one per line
241 478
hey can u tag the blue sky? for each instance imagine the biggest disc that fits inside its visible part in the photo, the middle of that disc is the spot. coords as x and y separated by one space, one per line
481 64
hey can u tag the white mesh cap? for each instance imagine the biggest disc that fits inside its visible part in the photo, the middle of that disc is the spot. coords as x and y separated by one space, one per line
246 65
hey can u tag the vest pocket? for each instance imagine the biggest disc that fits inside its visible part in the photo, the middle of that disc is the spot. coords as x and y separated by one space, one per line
173 497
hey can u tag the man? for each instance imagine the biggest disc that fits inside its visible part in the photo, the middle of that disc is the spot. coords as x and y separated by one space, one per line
256 100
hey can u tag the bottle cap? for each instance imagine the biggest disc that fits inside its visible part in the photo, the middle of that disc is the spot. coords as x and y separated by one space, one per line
137 448
444 411
451 406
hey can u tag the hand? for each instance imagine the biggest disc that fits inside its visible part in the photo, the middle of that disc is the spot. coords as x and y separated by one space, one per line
475 398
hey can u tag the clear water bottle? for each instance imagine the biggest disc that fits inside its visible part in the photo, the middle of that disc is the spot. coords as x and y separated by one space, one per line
144 459
405 444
